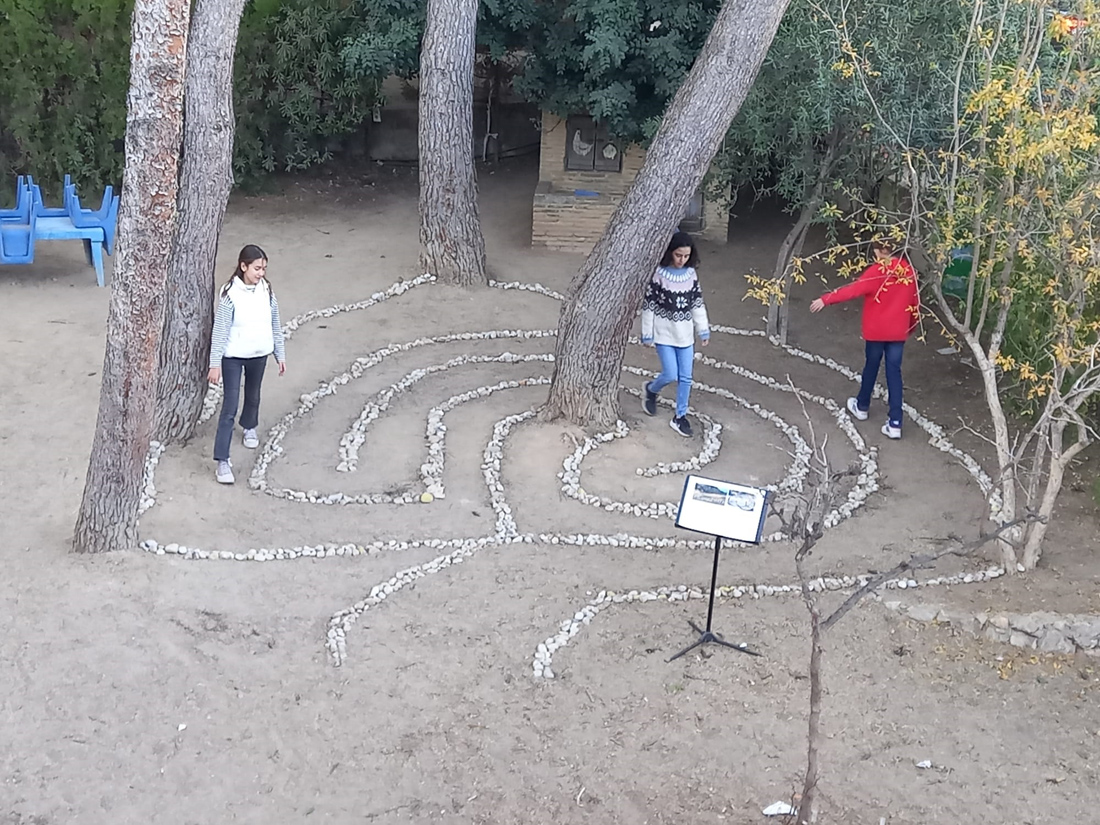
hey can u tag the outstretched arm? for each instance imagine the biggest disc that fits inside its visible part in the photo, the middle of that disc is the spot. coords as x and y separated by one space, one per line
871 279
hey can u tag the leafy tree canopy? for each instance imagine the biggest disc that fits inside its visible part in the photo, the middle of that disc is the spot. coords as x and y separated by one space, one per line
806 98
620 60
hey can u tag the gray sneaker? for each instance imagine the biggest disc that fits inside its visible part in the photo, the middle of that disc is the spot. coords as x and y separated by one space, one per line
891 430
251 440
682 426
649 400
225 472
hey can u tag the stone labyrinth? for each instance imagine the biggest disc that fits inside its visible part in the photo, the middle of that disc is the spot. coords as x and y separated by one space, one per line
430 484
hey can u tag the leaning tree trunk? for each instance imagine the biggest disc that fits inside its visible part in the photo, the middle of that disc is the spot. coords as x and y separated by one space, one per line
605 295
451 244
206 176
127 399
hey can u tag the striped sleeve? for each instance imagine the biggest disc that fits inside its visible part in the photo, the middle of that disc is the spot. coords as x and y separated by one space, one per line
223 320
277 331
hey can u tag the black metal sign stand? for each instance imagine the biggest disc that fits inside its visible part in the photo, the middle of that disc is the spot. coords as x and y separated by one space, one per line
708 635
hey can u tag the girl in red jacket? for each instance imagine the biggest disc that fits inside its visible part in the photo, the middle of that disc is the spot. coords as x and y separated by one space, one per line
891 309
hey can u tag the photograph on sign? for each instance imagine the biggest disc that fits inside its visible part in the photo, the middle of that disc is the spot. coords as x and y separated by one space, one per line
722 508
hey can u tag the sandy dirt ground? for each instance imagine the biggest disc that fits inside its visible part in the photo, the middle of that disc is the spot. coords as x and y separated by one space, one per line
142 688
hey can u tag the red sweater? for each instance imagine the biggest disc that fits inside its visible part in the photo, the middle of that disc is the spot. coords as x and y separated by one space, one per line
891 303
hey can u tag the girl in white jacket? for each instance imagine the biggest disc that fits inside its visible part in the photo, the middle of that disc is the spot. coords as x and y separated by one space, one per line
246 332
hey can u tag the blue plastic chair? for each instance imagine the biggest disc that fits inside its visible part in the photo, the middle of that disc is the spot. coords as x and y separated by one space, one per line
39 203
23 199
106 216
17 241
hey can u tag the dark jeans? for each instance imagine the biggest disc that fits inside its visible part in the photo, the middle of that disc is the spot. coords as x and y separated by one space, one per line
232 370
892 350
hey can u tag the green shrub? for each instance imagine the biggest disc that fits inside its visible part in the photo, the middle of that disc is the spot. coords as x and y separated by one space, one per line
65 67
65 70
295 101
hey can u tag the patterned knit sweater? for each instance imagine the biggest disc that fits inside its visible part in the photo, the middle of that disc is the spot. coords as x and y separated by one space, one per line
673 309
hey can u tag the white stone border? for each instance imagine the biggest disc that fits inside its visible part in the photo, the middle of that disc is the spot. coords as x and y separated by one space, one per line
212 400
506 530
356 435
528 287
148 481
571 467
542 660
272 447
936 434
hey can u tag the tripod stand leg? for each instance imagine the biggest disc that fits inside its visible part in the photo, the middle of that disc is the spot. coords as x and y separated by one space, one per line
688 649
706 634
741 646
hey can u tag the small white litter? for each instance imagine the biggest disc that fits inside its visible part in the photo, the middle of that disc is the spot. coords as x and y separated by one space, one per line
924 764
946 351
779 809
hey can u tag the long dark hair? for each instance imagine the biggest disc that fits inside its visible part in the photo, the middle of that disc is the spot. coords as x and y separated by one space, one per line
679 240
250 253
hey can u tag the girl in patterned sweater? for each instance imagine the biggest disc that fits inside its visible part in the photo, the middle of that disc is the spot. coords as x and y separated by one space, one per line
672 314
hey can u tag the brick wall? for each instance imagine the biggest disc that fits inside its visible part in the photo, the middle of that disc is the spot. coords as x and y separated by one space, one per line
564 221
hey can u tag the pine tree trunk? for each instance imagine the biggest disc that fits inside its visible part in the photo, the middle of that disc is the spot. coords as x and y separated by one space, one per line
127 400
604 298
206 176
451 244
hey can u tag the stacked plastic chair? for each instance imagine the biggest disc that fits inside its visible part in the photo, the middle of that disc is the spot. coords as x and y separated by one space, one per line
32 220
17 226
106 217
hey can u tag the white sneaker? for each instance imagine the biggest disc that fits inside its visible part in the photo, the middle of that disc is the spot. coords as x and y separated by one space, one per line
251 440
890 431
225 472
857 413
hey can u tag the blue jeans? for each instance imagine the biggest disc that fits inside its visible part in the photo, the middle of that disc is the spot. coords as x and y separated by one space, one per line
892 350
676 364
232 370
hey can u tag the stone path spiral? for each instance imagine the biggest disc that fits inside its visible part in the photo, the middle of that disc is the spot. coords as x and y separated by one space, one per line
430 484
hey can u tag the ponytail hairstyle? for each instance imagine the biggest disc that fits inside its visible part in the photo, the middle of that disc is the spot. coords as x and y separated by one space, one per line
250 253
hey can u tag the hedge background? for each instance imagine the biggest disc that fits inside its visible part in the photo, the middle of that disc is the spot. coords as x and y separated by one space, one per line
64 72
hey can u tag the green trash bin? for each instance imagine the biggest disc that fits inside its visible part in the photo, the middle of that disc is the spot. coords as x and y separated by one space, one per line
956 277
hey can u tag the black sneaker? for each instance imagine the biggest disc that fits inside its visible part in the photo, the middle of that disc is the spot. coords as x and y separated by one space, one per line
649 400
681 426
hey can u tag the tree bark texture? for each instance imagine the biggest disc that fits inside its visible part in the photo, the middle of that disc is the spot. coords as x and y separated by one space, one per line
1060 458
127 400
451 244
604 298
206 177
807 805
779 312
